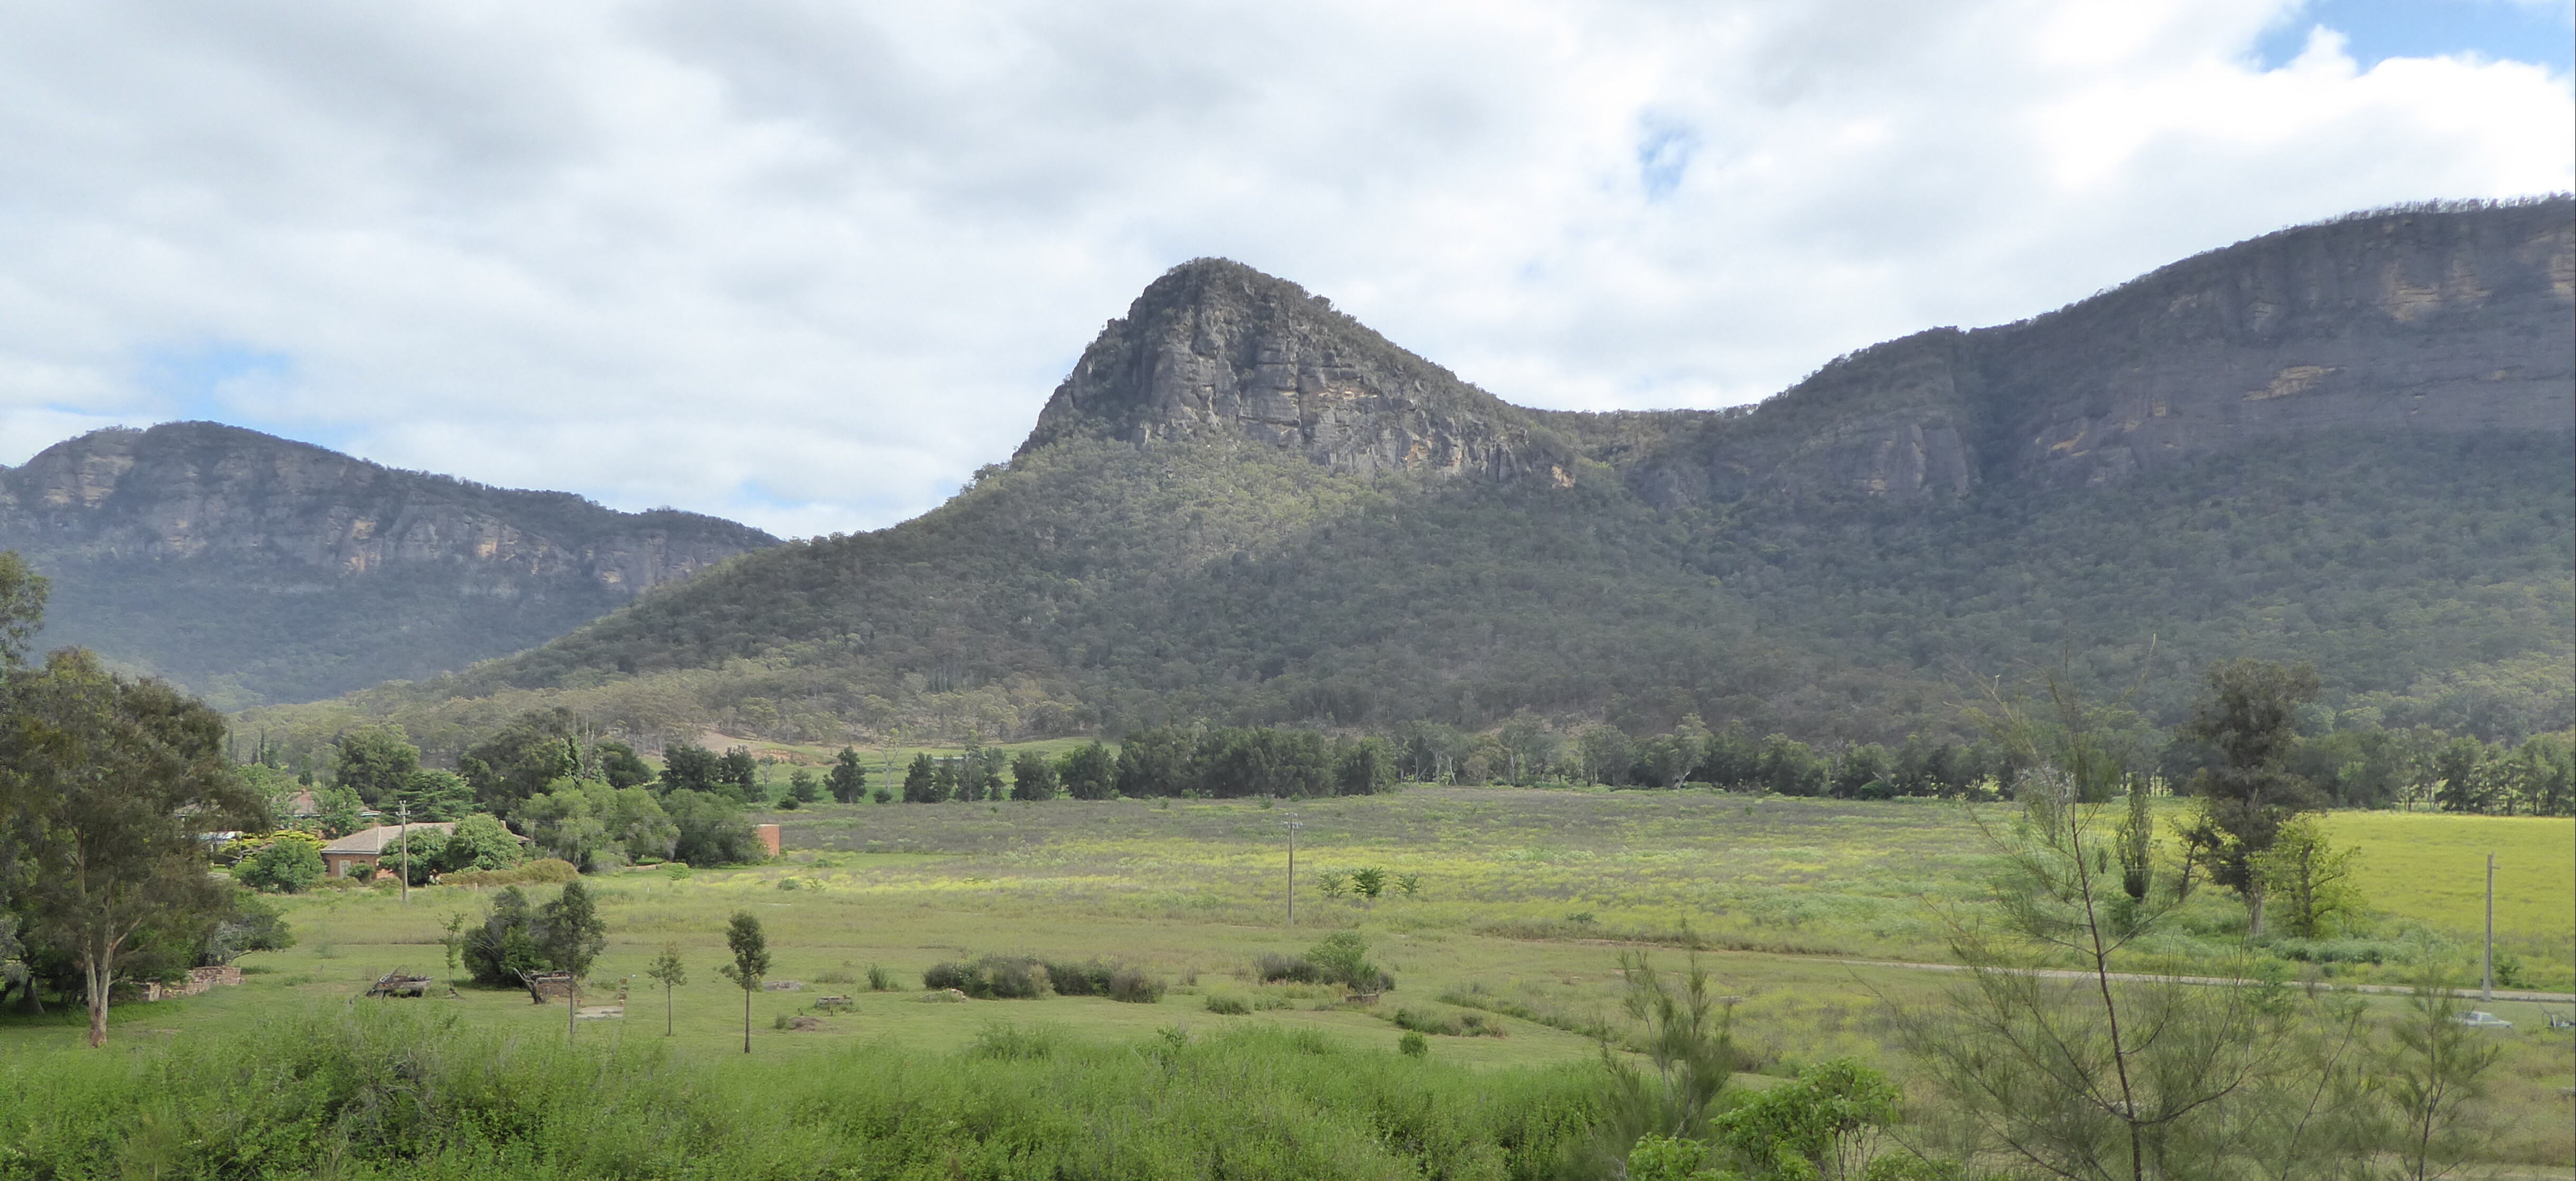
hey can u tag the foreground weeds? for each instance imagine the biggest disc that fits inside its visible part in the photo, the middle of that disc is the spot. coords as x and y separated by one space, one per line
364 1093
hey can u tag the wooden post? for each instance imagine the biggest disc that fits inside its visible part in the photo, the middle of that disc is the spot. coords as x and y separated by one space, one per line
1293 825
2486 990
405 812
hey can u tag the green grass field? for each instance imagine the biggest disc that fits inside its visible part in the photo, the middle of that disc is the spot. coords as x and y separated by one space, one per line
2432 868
1524 899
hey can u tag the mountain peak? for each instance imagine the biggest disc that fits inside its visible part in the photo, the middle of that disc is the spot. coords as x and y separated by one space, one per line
1217 353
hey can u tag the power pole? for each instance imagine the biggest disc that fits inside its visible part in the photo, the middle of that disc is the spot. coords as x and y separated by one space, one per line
2486 990
403 810
1292 825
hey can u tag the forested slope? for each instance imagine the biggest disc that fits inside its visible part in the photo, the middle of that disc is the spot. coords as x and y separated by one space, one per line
1242 507
251 568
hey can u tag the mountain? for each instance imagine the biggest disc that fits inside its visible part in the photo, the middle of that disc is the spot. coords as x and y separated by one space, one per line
2349 442
251 568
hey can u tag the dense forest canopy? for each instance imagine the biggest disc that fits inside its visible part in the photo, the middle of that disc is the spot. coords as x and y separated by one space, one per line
1094 588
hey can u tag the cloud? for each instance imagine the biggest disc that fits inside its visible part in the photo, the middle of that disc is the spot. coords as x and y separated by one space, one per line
808 264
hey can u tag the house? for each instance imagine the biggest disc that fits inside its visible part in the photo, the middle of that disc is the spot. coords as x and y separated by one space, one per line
359 851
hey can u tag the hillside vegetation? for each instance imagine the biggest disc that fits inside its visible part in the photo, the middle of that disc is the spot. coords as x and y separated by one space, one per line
1243 507
1092 588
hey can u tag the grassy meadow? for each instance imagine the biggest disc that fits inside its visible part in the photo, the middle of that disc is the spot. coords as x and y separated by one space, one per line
1522 901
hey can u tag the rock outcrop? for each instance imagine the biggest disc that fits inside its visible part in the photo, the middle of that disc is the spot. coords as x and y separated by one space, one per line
1216 352
192 490
254 569
2439 319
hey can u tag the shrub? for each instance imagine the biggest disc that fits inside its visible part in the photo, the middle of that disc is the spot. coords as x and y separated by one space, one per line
1669 1158
1090 978
1821 1118
1342 958
1462 1025
290 863
550 871
1273 968
880 980
1413 1045
1369 882
1135 987
835 976
994 977
1228 1006
2332 951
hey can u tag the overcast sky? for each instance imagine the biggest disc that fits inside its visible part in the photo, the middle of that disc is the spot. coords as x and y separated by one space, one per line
808 263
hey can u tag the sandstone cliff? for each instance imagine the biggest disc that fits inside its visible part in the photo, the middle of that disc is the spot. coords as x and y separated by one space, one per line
190 490
2433 320
2439 319
250 568
2436 319
1216 352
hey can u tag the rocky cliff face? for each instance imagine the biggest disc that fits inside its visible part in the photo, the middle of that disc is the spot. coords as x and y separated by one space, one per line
184 491
1215 352
1893 420
2432 320
2440 319
253 569
2445 320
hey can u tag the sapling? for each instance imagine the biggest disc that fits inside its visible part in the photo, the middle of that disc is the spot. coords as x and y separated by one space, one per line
750 948
668 969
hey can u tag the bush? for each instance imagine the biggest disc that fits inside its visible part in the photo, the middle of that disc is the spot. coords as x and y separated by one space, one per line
1413 1045
1135 987
1228 1006
994 977
880 980
1273 968
1090 978
546 872
1462 1025
255 925
289 863
2332 951
1342 958
1825 1114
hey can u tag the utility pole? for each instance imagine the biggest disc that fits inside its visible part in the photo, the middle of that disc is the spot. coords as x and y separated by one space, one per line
403 810
2486 990
1292 824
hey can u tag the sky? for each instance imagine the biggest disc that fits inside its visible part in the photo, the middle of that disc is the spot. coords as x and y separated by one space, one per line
808 264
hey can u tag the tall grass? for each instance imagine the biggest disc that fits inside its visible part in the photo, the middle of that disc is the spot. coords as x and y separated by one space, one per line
363 1093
